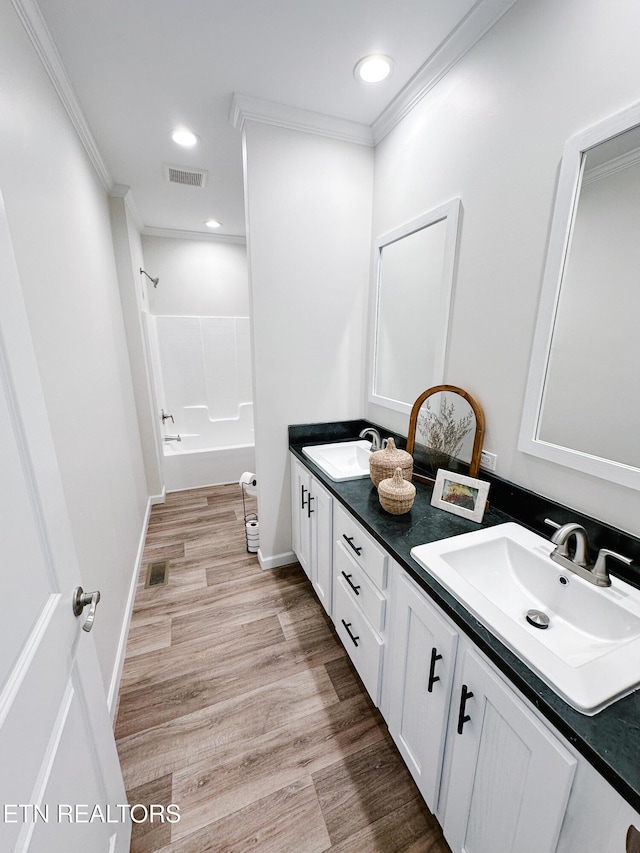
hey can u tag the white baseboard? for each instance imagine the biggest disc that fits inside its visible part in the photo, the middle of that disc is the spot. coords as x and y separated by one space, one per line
158 499
114 686
277 560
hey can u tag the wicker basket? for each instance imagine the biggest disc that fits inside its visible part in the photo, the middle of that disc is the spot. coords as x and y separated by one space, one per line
383 463
396 494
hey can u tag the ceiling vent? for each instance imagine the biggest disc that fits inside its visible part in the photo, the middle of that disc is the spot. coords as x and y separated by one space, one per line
185 176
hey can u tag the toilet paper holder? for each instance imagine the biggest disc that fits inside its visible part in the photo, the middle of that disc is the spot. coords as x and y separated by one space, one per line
251 526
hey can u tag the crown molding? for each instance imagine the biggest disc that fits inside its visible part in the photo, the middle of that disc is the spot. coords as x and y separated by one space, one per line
470 30
177 234
477 22
246 108
38 32
126 193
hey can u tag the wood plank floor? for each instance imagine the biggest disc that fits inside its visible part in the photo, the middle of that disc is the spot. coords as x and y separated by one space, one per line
239 704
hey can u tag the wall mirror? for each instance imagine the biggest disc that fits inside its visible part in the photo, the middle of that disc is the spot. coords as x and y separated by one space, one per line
414 266
582 406
446 430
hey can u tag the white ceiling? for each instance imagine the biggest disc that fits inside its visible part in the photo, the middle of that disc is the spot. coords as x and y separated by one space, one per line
139 68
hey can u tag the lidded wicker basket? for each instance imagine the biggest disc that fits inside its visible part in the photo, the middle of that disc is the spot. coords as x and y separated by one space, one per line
383 463
396 494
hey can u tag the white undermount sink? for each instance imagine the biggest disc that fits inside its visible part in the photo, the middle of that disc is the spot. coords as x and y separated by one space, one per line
345 460
590 651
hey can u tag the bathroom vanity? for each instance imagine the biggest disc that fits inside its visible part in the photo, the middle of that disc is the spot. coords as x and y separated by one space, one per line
502 761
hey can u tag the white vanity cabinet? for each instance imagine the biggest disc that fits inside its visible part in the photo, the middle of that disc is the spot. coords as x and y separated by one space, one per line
312 521
359 599
496 775
508 777
422 658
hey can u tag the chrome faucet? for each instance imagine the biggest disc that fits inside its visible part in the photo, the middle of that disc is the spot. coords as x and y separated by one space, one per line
173 438
376 443
596 573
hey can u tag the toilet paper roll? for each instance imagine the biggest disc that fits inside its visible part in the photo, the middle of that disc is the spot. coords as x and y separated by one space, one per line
253 532
253 536
248 480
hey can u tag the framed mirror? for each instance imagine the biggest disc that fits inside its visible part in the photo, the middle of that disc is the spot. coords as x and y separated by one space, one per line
582 405
446 430
415 267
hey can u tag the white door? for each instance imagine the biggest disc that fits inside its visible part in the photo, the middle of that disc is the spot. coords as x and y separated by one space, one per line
60 780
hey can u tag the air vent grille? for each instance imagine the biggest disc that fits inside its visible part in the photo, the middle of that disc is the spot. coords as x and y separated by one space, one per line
157 574
185 176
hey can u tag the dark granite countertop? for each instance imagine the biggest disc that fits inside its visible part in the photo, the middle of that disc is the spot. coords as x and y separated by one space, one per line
610 740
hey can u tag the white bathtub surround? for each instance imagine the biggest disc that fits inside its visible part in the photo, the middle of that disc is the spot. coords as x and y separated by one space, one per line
199 430
211 452
202 369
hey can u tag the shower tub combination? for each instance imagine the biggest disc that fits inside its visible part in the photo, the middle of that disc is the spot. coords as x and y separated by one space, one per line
209 451
202 375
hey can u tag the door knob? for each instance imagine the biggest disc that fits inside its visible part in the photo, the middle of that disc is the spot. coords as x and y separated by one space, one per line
82 599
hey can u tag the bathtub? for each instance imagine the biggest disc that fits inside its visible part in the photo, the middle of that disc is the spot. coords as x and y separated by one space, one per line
211 452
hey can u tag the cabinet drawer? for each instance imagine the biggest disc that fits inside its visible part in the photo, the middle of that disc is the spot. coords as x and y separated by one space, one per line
362 547
359 588
363 645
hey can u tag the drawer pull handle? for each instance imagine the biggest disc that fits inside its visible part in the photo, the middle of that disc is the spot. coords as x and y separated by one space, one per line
353 586
303 490
357 549
462 717
347 625
309 510
432 676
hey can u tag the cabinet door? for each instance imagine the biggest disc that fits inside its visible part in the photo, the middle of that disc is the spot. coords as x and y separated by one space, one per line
510 777
301 513
625 833
422 659
321 543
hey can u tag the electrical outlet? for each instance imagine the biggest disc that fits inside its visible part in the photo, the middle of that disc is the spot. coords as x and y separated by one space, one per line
488 460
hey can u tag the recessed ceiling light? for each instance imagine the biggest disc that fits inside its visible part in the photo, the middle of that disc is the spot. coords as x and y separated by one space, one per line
213 223
373 69
184 137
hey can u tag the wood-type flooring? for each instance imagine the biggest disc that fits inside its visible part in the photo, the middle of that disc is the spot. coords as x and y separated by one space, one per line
239 705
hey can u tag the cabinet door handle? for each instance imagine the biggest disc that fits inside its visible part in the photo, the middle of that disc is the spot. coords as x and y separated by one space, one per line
432 676
353 586
349 539
347 625
462 717
309 510
303 490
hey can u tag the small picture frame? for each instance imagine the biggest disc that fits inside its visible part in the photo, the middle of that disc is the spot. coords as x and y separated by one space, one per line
460 495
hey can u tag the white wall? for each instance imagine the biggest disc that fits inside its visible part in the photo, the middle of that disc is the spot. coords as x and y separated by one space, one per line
492 132
59 220
197 277
308 202
133 295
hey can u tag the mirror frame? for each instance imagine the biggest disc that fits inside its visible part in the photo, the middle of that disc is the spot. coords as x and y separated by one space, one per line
441 316
569 180
476 452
